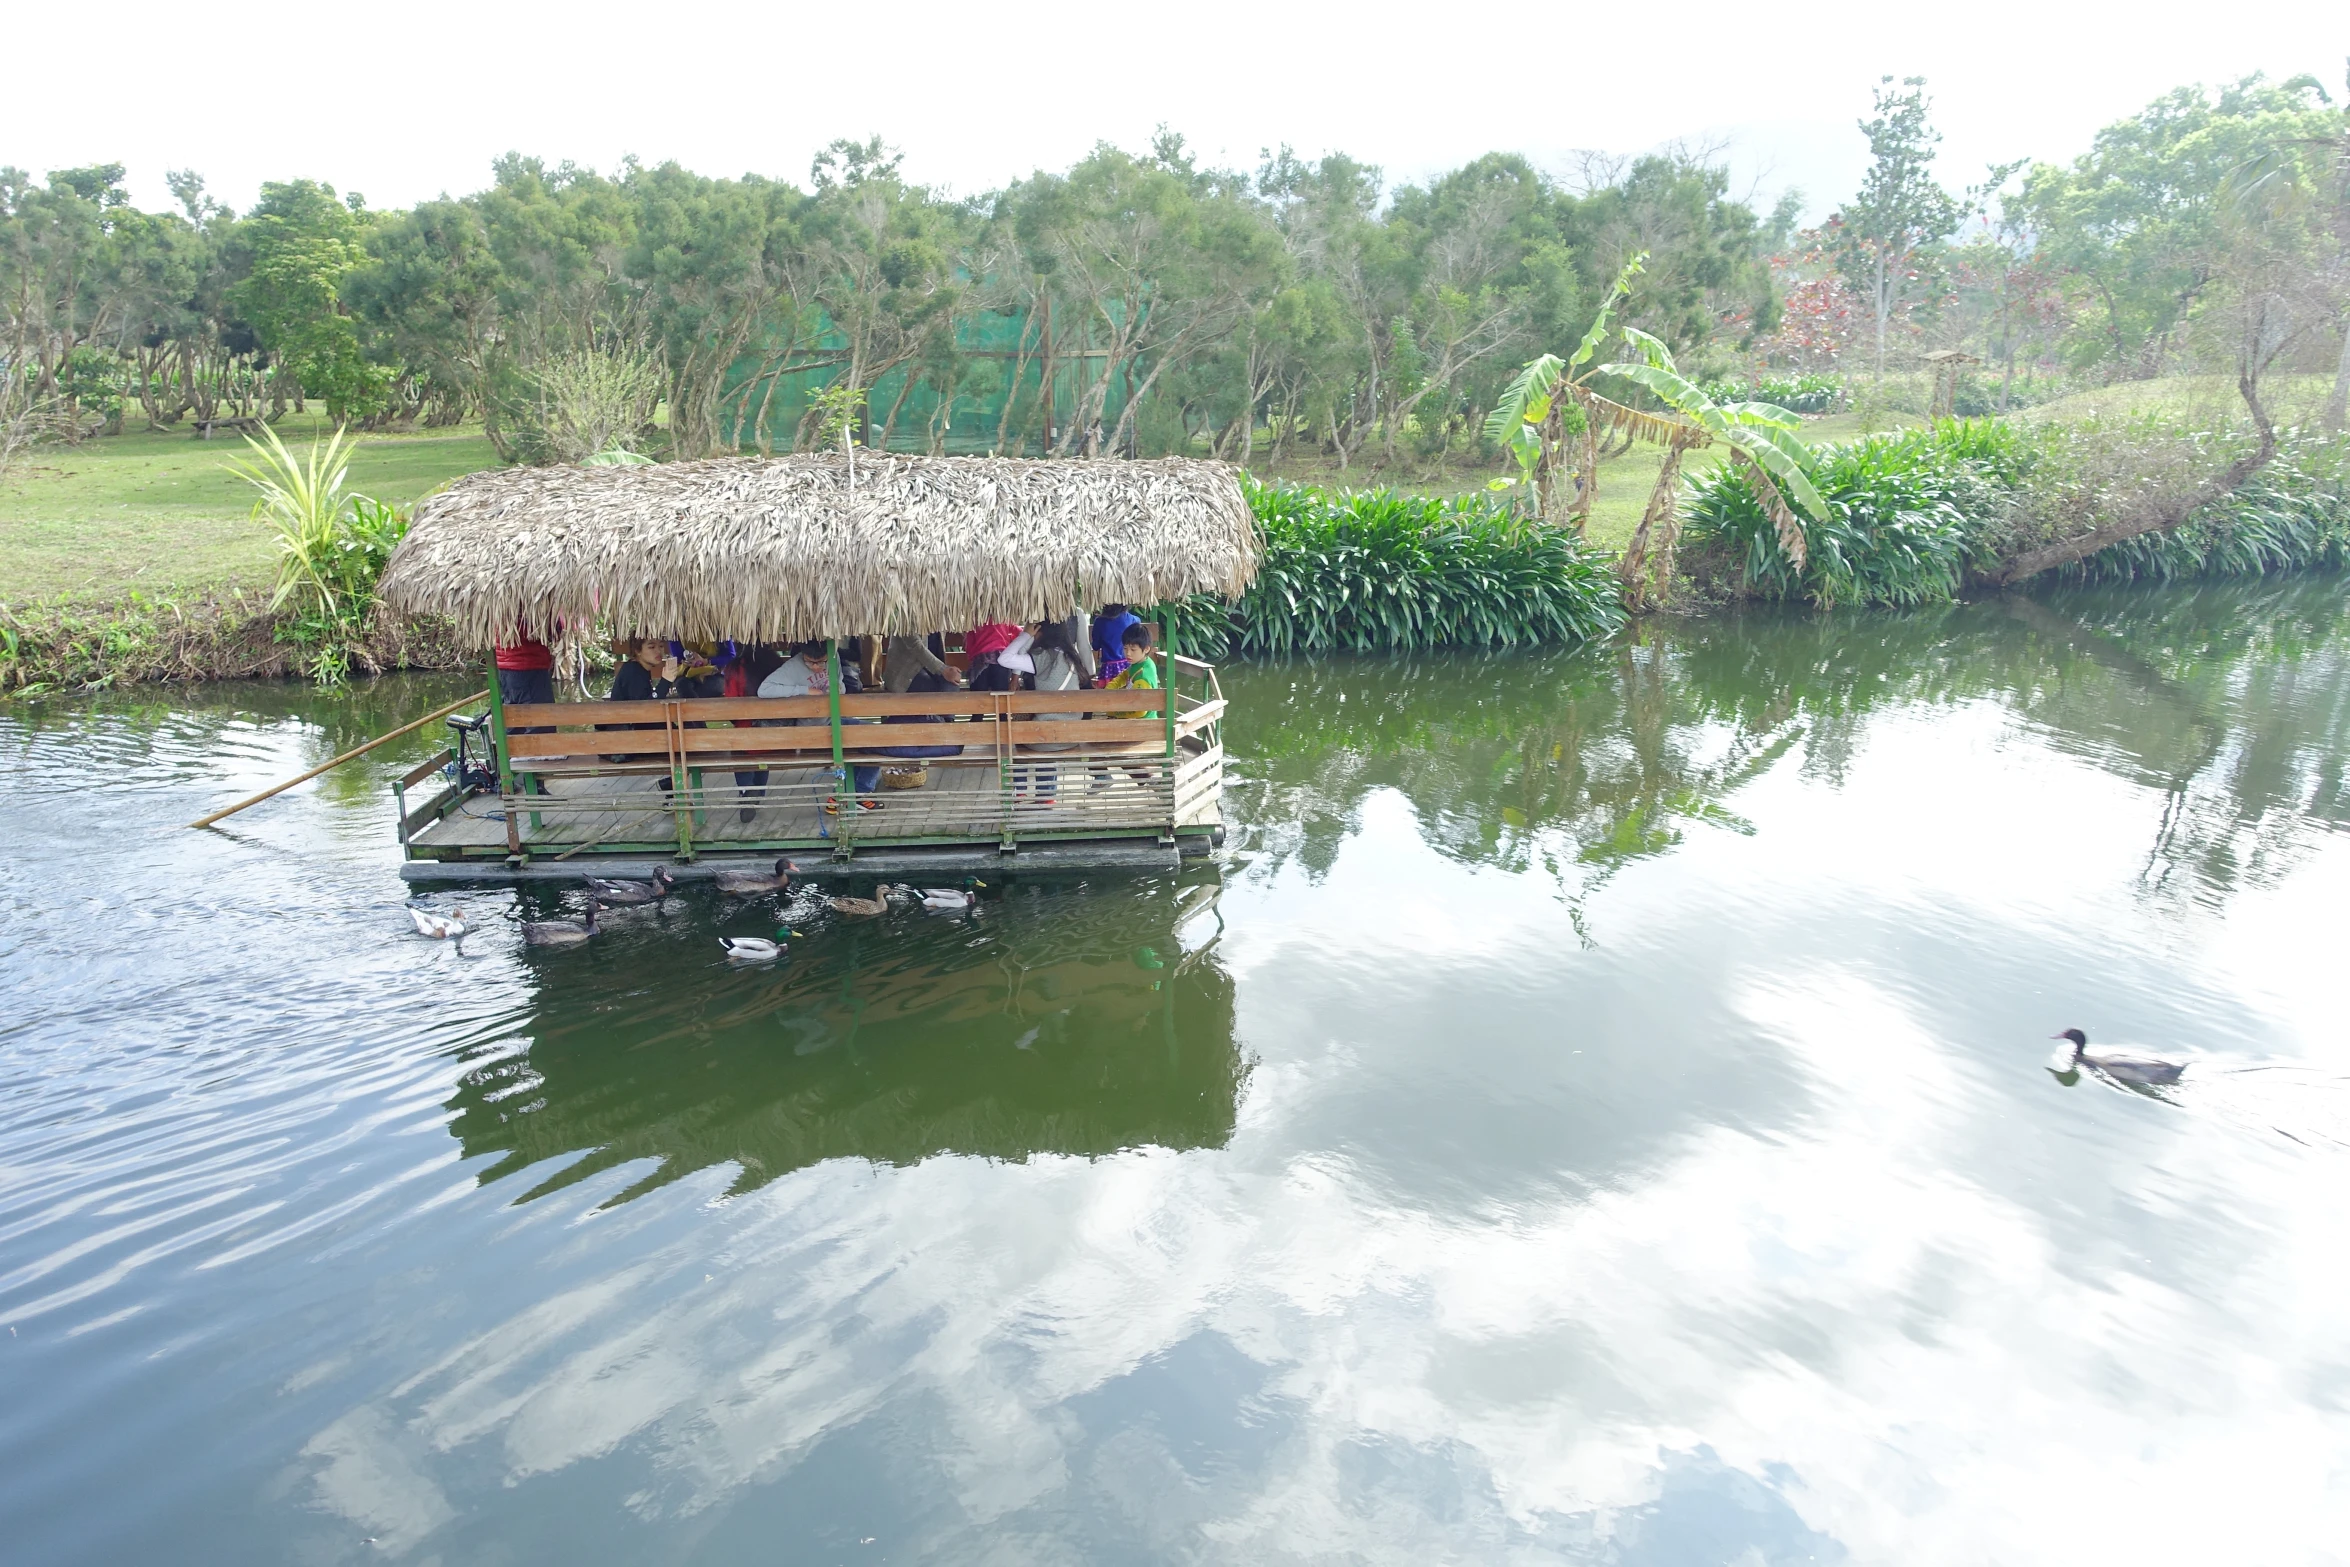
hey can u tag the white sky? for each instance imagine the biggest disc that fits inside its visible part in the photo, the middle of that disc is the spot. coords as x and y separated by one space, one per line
411 102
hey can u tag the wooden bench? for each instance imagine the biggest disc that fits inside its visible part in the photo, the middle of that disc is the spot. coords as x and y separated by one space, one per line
682 733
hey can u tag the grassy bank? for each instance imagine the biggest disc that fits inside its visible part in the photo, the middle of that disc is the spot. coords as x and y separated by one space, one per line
163 515
230 635
137 557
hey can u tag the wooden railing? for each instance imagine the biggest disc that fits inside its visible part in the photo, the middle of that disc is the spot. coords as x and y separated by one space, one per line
1126 761
789 728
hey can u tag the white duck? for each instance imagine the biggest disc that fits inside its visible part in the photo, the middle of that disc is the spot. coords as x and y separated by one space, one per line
440 927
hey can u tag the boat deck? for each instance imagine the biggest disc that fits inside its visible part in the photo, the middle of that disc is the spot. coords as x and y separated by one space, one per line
748 779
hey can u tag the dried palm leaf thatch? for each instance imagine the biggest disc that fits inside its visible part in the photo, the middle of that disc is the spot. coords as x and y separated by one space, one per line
792 547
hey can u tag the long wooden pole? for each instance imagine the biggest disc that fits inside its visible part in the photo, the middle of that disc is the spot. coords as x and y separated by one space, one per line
438 712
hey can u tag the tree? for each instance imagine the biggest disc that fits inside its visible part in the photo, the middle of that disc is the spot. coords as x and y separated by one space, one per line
1758 436
2136 223
1885 231
303 243
1157 260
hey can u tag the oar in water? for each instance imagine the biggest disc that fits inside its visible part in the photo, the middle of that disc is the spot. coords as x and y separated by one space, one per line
438 712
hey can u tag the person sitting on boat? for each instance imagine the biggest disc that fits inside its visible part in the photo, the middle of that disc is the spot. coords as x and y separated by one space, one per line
646 674
1138 670
744 666
1063 663
808 672
917 664
989 648
909 664
1109 639
1140 674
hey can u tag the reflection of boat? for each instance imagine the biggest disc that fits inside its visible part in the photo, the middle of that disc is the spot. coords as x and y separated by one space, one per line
1069 1020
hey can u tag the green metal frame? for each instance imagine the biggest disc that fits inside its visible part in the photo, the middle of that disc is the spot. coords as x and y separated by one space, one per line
844 831
514 848
498 730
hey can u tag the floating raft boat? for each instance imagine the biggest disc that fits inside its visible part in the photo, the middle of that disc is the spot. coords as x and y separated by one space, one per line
822 548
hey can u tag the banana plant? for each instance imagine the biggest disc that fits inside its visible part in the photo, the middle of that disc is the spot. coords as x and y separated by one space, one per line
1548 404
1760 437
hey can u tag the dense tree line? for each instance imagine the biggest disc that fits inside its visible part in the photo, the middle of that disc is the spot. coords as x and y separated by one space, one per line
1304 302
1299 305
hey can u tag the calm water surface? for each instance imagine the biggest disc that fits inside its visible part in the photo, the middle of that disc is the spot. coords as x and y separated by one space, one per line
1599 1113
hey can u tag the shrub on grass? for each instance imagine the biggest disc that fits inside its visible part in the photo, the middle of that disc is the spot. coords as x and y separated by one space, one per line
1814 393
332 546
1903 511
1368 570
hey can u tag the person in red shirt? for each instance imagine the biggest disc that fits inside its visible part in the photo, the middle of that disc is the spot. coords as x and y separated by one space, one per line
526 673
526 670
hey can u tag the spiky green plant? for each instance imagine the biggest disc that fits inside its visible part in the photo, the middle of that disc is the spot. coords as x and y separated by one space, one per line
331 544
1900 513
1370 570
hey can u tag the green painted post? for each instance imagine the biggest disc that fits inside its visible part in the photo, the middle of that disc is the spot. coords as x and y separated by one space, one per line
505 765
1167 676
1167 696
498 729
842 833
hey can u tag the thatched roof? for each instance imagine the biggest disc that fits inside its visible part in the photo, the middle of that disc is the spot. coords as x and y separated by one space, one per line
789 547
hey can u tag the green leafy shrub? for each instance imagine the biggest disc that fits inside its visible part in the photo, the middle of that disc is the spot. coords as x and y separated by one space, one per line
1815 393
1904 510
1371 570
2293 515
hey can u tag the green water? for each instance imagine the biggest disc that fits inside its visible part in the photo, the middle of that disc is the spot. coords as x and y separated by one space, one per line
1600 1110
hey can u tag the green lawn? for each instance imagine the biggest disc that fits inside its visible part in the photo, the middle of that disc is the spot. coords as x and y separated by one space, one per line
2291 399
162 513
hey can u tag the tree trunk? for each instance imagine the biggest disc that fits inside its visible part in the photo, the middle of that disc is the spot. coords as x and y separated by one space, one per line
1586 475
2338 405
2064 553
1883 304
890 424
1021 356
1660 530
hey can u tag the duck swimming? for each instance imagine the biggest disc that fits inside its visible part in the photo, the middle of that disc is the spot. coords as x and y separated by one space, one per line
953 900
561 933
440 927
862 908
747 883
756 949
626 894
2122 1065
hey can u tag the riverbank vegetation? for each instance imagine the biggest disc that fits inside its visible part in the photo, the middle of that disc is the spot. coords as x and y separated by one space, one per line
1308 319
1914 517
1372 570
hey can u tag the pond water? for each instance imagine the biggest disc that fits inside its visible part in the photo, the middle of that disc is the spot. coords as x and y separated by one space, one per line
1599 1112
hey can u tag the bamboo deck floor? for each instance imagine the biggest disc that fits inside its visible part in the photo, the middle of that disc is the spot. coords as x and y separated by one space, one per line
958 802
